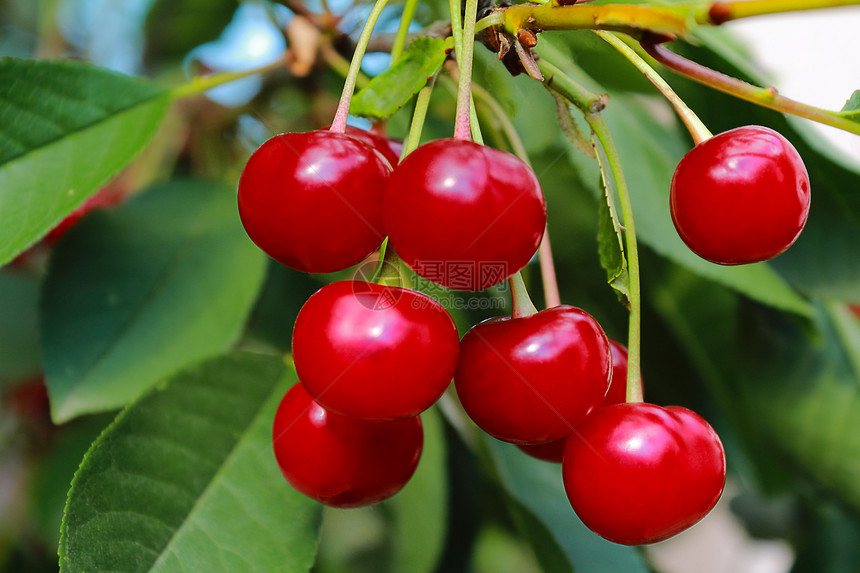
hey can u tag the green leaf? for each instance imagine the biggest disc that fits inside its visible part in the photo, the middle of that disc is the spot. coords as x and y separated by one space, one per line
537 485
806 395
389 91
420 510
19 331
137 293
185 480
851 109
547 551
610 244
65 128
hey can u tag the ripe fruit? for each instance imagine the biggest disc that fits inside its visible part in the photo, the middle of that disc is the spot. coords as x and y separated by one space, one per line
464 215
389 148
375 352
313 201
343 462
639 473
533 379
741 196
554 451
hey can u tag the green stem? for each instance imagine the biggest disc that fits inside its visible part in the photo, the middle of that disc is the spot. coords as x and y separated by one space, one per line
591 105
587 101
422 103
520 301
634 336
201 84
339 123
403 29
465 52
765 97
694 125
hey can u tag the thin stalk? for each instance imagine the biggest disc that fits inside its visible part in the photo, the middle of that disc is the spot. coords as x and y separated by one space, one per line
694 125
465 52
520 301
201 84
339 123
634 336
422 103
765 97
587 102
551 296
403 29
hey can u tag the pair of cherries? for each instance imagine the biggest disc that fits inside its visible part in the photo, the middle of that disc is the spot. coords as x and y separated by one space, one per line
460 214
555 385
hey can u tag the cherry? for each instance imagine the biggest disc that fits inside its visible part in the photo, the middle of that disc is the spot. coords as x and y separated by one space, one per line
554 451
639 473
464 215
343 462
741 196
105 197
372 351
533 379
389 148
313 201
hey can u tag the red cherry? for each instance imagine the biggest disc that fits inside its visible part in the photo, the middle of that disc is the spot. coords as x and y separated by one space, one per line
639 473
389 148
741 196
106 197
533 379
343 462
376 352
464 215
313 201
554 451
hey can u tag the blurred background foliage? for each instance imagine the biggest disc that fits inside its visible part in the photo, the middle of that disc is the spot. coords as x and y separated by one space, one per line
771 359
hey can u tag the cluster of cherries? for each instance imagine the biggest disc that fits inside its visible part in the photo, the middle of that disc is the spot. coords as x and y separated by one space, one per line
370 358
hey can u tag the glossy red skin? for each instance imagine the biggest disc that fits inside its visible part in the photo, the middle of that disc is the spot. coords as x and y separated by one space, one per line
374 352
741 196
554 451
313 201
389 148
639 473
533 379
464 215
343 462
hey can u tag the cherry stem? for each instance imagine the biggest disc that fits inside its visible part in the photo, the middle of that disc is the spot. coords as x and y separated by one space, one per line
201 84
338 125
765 97
520 301
588 103
551 296
465 50
694 125
547 267
403 29
422 103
